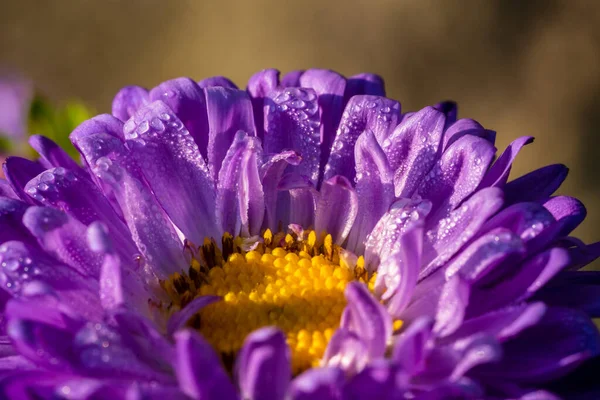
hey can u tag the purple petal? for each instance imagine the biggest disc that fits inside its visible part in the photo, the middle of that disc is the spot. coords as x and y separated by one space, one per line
18 172
330 88
302 199
484 254
52 155
111 291
11 215
537 185
6 190
556 345
380 380
174 169
365 83
464 127
578 290
187 100
374 188
347 351
292 78
568 211
369 319
400 271
240 199
413 149
29 271
74 193
517 283
271 173
229 111
450 110
458 172
376 114
128 100
498 173
336 208
151 229
481 350
502 324
263 365
451 307
292 122
198 369
63 237
220 81
180 318
318 384
460 226
411 347
259 86
384 239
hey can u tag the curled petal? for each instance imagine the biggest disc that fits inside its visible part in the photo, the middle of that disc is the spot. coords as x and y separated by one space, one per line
11 216
217 81
180 318
464 127
451 306
374 188
336 209
347 351
412 345
18 172
365 83
380 380
229 111
240 198
271 173
6 190
568 211
369 319
376 114
302 198
263 365
292 78
318 383
128 100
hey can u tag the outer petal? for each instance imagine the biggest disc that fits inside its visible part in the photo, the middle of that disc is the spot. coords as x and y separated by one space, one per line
72 192
229 111
292 78
460 226
198 369
498 173
128 100
330 88
151 229
452 305
376 114
457 173
450 110
413 148
18 172
6 190
318 384
292 122
374 189
464 127
11 215
336 209
577 290
63 237
536 185
347 351
240 198
180 318
411 347
302 199
379 380
259 86
174 169
187 100
263 365
568 211
52 155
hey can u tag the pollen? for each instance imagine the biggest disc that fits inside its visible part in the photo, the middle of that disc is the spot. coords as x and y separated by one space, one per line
294 283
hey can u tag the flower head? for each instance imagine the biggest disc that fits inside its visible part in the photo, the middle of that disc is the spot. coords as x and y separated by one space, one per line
302 239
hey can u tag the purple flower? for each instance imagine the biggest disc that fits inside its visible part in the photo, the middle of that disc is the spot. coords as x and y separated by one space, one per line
300 239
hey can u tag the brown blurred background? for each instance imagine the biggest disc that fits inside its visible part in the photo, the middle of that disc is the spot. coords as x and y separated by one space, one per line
519 67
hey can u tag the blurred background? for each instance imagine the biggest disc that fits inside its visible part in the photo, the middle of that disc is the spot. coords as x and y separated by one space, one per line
518 67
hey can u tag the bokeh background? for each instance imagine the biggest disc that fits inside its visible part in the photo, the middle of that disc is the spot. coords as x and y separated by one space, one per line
518 67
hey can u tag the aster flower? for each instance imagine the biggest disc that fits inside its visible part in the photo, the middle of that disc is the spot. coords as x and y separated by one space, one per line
299 239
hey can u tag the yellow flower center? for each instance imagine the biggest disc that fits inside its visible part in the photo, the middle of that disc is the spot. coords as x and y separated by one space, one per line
294 283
